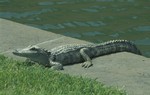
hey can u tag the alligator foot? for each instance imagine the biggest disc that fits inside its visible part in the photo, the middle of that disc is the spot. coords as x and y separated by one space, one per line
86 64
57 67
28 62
88 61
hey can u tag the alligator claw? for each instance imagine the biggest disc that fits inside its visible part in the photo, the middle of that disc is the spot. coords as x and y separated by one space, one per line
57 67
86 64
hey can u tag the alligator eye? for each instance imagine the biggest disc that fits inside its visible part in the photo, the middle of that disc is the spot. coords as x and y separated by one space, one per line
33 48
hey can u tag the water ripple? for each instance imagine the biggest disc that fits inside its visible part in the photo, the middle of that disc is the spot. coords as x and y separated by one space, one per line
96 23
90 10
134 17
48 26
145 41
93 33
62 2
121 9
71 24
147 53
126 0
72 34
3 1
93 9
143 28
80 23
98 7
115 35
46 3
10 15
105 0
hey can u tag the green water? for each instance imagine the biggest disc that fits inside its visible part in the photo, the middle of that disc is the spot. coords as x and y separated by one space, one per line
91 20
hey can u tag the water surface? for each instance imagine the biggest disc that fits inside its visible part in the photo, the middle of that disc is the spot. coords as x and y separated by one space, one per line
91 20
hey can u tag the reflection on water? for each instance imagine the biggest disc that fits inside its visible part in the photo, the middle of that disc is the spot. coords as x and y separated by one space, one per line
91 20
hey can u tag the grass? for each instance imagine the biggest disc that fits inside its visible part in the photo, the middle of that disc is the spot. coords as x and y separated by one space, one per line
17 78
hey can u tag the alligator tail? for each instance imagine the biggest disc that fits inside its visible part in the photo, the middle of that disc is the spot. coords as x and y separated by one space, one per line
116 46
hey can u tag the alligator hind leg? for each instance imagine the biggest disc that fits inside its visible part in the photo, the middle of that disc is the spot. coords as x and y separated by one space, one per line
88 61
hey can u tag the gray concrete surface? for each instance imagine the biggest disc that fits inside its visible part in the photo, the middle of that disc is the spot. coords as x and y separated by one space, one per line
124 70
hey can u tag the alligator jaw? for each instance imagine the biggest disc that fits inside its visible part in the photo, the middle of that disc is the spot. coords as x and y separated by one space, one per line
19 52
16 52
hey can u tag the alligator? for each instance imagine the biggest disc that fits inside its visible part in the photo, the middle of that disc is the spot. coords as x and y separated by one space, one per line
69 54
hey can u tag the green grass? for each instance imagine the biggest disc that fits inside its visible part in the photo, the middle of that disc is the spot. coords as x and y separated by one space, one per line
17 78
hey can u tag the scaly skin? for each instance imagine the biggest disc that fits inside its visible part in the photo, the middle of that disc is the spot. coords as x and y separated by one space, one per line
75 53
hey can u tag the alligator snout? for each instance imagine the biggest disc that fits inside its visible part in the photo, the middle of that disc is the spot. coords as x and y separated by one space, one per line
15 52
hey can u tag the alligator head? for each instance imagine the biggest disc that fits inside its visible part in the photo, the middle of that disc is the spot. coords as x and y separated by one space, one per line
34 53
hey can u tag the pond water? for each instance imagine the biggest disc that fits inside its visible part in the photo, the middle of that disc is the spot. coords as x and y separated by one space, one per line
91 20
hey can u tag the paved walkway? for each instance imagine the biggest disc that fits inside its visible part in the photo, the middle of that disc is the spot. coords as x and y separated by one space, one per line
125 70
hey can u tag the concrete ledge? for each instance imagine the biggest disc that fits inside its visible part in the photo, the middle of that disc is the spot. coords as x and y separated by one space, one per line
125 70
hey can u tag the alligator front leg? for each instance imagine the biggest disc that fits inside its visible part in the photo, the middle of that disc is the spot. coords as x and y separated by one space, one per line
88 61
56 65
29 62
